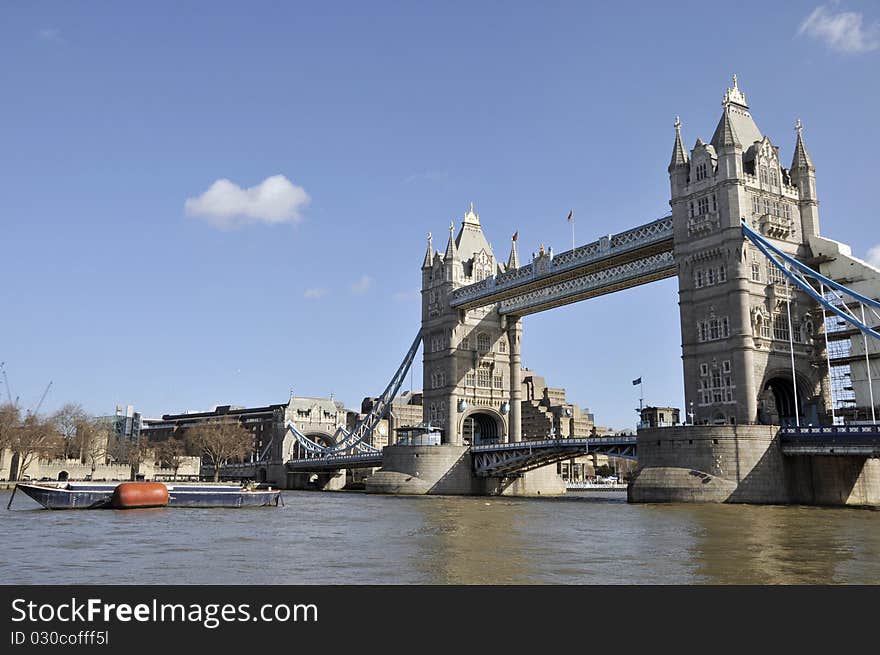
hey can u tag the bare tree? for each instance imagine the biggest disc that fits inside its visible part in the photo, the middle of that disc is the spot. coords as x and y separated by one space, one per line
220 441
93 438
170 453
137 452
67 421
34 438
10 419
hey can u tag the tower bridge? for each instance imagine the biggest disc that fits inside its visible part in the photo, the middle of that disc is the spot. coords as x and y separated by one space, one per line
741 237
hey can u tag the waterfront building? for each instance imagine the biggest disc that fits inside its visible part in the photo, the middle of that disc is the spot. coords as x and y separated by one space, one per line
659 417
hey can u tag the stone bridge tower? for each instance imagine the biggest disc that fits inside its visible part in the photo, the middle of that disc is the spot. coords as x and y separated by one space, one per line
734 305
467 361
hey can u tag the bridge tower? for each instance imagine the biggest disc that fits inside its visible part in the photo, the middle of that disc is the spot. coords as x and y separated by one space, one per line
734 305
466 354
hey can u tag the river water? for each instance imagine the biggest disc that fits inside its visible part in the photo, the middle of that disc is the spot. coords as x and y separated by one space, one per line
354 538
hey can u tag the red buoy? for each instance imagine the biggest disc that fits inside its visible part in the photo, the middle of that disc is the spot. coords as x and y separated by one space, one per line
133 495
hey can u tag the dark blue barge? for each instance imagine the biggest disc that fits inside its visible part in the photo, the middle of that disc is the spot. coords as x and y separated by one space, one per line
97 495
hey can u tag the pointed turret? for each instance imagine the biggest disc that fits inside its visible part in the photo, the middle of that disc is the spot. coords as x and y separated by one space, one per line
513 260
429 255
803 176
679 153
801 159
451 250
725 134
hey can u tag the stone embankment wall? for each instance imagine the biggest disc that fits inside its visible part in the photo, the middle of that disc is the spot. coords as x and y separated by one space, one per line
745 464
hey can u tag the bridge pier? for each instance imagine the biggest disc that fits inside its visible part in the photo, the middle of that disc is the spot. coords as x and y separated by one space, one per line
448 470
330 481
745 464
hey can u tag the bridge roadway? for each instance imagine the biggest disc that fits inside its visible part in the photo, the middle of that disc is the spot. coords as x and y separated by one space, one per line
492 460
509 459
612 263
839 440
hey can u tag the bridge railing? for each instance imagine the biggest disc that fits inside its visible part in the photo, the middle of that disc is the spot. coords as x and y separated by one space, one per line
542 443
638 237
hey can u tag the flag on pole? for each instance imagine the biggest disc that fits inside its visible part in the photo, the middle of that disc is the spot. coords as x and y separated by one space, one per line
570 216
515 235
637 381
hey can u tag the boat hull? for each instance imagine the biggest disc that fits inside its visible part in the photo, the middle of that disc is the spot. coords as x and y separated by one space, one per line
99 496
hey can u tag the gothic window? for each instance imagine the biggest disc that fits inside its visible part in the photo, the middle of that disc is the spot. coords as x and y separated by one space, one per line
780 327
725 366
786 210
470 379
691 209
711 276
483 342
716 379
714 204
704 369
703 206
775 274
702 171
766 330
756 272
713 329
698 278
796 332
498 381
502 346
722 273
756 205
484 377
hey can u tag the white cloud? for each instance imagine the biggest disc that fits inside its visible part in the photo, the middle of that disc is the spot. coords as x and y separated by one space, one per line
315 293
273 201
842 31
362 286
874 256
407 296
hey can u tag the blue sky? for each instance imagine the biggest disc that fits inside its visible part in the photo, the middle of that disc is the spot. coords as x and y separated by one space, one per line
378 122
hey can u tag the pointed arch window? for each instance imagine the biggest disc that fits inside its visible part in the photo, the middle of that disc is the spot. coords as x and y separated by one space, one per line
483 342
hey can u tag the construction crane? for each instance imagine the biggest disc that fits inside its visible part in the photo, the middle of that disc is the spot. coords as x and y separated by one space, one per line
42 398
6 382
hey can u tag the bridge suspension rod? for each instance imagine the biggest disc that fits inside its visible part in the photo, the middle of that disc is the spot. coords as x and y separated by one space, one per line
358 438
801 276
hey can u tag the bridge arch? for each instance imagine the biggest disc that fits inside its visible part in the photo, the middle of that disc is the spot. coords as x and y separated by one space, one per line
482 425
777 398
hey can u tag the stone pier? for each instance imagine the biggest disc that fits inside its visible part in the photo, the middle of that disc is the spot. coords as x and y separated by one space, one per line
745 464
448 470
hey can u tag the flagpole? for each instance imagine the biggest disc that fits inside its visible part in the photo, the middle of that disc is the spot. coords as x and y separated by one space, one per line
571 221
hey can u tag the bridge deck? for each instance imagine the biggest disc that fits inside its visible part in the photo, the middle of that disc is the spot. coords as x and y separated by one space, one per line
837 440
505 459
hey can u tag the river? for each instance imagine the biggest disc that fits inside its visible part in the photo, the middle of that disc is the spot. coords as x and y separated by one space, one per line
355 538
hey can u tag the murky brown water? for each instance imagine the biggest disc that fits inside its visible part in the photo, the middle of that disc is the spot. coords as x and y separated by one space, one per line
339 538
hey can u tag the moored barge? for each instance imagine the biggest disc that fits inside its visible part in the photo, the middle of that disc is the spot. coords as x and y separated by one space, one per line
133 495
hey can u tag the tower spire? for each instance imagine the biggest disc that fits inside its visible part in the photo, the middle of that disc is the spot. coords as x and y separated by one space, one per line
513 260
679 153
801 158
734 95
725 134
429 255
451 250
